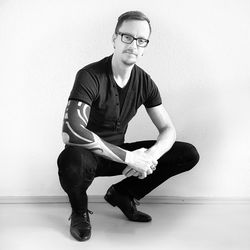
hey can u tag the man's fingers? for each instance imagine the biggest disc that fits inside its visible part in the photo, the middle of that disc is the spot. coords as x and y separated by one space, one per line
131 172
155 162
126 170
153 168
142 175
136 174
149 171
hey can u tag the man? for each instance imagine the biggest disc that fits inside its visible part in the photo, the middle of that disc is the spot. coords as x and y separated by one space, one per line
105 96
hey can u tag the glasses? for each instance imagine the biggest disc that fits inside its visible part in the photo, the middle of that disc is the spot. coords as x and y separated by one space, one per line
128 39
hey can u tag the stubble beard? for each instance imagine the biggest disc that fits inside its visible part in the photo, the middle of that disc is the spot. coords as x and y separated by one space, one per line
128 62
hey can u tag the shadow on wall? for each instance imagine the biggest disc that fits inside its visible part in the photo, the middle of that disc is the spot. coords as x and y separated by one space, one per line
198 110
189 87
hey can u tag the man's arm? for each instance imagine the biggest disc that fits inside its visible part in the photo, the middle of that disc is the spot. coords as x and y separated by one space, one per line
167 132
75 133
165 140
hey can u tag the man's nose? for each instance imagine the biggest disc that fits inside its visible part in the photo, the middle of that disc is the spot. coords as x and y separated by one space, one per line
133 44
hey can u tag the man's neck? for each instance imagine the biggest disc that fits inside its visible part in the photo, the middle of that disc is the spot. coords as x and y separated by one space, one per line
121 72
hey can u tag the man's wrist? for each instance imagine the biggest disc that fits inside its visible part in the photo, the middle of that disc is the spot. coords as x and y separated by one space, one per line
128 157
153 152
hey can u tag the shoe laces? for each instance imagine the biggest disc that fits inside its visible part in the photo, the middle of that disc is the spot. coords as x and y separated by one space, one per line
83 214
89 211
136 202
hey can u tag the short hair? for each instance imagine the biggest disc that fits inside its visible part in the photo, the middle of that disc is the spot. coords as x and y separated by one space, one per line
132 15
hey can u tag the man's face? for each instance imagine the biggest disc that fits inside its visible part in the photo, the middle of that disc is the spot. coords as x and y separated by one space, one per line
128 54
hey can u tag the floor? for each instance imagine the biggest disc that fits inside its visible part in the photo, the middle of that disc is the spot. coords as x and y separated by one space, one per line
174 227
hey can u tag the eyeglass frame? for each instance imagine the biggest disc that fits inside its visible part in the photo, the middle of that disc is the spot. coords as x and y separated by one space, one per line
134 38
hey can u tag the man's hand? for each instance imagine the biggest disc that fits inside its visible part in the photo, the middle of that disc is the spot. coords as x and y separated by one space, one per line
140 164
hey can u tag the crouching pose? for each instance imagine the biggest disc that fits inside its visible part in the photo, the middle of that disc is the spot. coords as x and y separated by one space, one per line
105 97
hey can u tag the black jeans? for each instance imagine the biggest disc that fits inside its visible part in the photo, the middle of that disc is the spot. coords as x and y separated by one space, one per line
78 167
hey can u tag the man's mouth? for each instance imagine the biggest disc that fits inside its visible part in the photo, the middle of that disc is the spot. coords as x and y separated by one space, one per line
131 53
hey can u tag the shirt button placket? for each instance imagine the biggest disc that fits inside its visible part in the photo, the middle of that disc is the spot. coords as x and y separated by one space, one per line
117 110
117 107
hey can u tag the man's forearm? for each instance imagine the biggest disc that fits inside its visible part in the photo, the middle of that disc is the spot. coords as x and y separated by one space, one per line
75 133
164 142
99 147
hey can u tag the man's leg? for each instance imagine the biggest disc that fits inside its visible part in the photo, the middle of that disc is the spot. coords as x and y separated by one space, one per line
76 172
180 158
76 169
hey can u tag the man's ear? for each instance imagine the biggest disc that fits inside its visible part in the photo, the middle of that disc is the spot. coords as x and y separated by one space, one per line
113 40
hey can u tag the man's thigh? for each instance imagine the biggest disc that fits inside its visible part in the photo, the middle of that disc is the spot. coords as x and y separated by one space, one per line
138 144
107 167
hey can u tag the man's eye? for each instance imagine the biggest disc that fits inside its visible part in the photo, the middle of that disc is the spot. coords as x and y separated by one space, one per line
141 41
127 37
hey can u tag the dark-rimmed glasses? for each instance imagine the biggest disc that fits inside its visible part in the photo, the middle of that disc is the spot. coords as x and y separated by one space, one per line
128 39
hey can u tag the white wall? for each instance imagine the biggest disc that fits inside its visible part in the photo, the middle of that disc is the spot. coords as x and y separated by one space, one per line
198 55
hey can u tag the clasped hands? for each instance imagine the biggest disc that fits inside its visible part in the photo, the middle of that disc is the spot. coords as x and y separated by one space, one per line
139 163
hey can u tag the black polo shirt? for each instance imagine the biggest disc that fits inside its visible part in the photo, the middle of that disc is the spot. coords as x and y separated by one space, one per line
95 86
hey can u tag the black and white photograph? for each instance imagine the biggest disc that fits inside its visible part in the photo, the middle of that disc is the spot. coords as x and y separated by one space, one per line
125 125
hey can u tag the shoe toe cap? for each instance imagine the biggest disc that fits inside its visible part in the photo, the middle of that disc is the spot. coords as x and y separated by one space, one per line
81 235
142 217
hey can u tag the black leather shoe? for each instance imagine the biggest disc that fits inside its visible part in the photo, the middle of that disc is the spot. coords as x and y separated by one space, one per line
80 227
126 204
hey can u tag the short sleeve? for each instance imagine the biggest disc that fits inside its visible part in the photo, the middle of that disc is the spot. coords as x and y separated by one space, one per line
153 97
85 88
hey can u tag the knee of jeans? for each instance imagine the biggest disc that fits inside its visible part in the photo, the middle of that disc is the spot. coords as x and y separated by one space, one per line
76 165
192 156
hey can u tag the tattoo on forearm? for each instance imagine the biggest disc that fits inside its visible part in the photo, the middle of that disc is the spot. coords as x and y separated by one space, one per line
76 133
